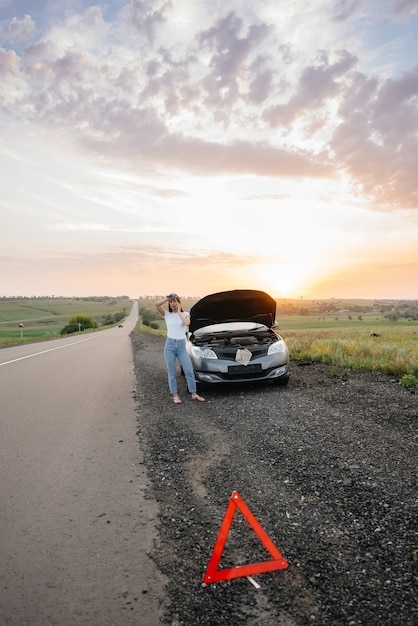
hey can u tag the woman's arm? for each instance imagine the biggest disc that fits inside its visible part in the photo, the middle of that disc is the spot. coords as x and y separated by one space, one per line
159 306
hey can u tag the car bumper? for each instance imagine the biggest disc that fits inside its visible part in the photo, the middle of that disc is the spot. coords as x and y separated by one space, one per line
241 374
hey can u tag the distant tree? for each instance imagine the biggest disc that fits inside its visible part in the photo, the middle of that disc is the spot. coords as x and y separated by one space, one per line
69 328
113 319
148 315
82 321
393 316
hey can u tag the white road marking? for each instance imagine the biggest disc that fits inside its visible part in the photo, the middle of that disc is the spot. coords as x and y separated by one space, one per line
28 356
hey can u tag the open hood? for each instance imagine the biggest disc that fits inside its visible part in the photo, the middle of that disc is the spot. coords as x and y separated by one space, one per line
239 305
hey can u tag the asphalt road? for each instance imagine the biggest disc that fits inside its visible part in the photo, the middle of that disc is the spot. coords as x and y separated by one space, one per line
75 522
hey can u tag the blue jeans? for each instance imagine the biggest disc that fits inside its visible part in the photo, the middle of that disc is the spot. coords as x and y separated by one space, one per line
176 348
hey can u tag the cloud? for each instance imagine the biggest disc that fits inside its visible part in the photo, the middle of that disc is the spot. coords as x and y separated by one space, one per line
229 49
97 98
344 10
151 145
375 142
21 30
9 66
233 97
405 7
97 227
347 9
151 268
316 85
144 17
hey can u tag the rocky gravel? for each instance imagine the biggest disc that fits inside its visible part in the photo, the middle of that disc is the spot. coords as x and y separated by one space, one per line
328 466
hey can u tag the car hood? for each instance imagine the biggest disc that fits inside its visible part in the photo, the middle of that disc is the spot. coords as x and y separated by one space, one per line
239 305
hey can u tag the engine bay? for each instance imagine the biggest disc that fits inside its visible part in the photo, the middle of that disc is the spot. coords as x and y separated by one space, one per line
233 340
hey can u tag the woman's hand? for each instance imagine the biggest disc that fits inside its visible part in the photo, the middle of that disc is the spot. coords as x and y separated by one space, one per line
185 317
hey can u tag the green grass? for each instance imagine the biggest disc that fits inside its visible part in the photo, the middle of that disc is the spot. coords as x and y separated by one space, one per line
369 322
43 318
160 332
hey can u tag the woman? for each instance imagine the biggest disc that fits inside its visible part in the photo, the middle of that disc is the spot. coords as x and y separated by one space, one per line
177 320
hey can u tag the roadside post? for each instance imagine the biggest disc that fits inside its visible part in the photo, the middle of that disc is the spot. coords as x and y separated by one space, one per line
21 326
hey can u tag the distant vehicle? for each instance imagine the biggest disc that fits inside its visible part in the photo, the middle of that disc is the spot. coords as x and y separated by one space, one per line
231 338
120 326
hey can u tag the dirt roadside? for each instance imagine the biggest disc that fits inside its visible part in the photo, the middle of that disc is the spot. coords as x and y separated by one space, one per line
327 465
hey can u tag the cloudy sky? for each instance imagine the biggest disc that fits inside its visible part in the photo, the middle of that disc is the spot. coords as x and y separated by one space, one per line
150 146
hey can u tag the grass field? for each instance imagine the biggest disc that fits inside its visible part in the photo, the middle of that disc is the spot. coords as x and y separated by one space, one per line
345 340
43 318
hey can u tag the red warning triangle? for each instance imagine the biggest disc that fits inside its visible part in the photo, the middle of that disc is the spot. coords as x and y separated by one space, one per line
213 575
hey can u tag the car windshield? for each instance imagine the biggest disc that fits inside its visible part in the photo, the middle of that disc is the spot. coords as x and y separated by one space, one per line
227 327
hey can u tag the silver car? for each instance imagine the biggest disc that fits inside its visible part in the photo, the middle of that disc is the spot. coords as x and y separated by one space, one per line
232 339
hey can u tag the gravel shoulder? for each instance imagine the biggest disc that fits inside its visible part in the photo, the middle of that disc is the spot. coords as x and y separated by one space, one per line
328 467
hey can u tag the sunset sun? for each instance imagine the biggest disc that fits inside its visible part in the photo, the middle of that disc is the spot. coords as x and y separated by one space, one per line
284 280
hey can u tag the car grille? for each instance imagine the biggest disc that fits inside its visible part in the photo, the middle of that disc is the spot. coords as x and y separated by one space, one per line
244 369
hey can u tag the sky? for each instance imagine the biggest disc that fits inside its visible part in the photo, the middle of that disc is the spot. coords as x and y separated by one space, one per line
152 146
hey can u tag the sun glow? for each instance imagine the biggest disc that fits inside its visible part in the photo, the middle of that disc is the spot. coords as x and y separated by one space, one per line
283 279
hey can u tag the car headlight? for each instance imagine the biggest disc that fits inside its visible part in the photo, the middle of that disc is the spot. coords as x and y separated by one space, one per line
278 347
203 353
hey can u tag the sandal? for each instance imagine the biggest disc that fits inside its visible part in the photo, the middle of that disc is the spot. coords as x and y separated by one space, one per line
177 399
195 396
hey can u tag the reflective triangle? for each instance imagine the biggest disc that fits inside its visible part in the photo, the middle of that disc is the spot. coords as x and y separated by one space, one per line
213 575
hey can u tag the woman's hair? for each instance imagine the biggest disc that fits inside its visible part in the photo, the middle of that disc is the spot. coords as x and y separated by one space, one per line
180 303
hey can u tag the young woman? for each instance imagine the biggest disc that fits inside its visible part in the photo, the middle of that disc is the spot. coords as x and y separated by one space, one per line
177 320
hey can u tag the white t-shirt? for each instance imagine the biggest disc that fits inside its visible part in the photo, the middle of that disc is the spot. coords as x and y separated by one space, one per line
175 327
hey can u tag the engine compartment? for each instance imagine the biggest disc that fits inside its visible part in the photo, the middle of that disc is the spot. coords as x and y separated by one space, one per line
234 340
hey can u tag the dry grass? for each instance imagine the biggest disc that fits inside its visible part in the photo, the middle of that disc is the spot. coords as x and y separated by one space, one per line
394 352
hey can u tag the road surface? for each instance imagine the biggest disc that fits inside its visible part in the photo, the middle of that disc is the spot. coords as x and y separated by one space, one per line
75 522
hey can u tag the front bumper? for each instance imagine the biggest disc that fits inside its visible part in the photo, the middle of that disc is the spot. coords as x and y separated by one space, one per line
239 374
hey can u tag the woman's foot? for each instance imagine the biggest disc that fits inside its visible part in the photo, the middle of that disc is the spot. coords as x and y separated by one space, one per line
176 399
196 396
